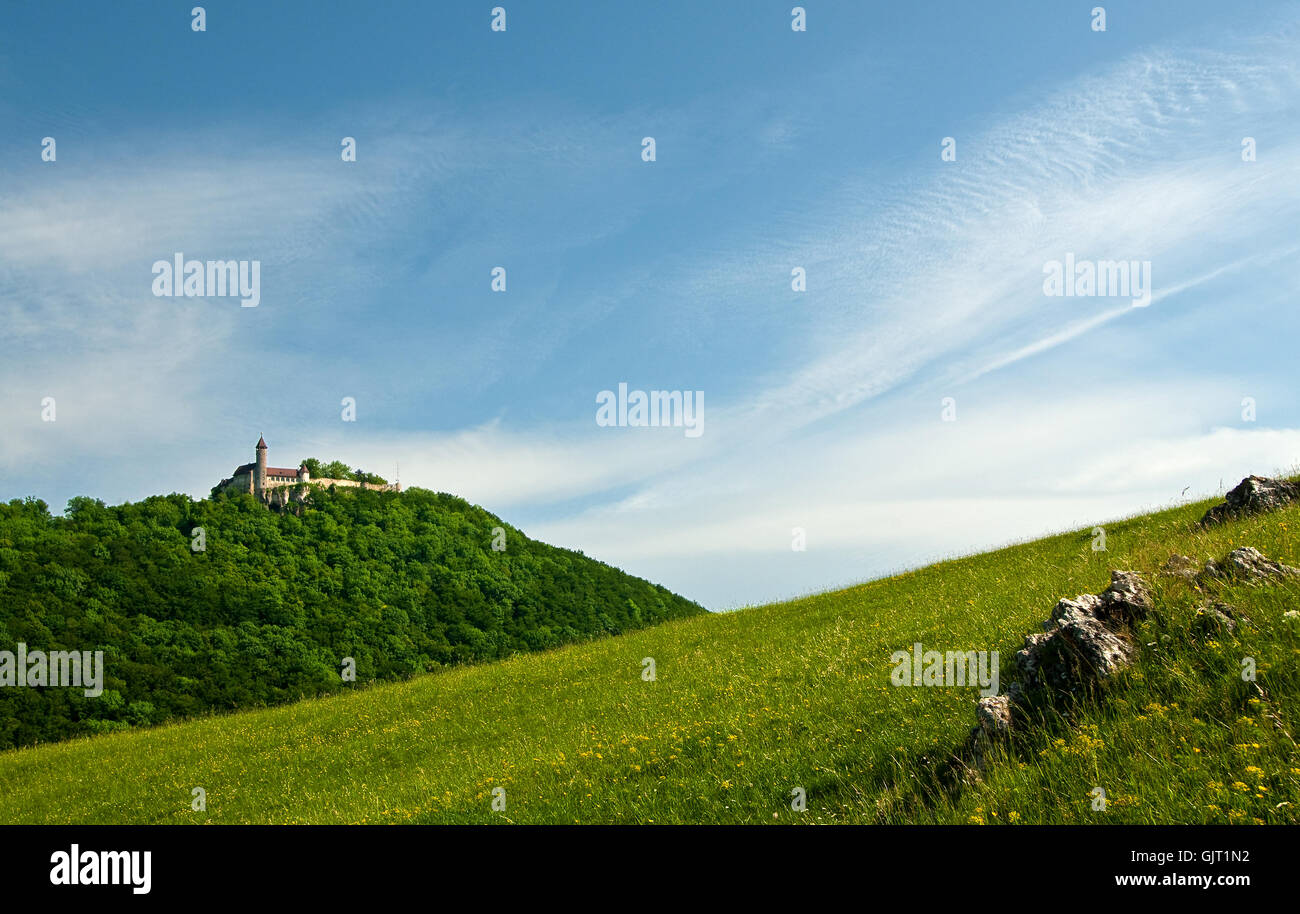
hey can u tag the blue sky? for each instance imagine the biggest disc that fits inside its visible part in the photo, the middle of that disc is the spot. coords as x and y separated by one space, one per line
775 150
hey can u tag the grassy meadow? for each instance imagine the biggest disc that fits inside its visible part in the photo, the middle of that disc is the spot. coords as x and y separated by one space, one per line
749 705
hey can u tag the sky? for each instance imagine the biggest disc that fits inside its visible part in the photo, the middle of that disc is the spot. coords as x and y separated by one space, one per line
922 397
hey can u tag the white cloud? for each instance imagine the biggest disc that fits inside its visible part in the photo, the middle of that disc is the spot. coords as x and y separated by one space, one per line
910 491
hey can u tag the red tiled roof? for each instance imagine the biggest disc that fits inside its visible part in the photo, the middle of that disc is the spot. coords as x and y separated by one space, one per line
261 443
270 471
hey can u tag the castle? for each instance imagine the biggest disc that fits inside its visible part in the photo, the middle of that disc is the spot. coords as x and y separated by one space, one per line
262 481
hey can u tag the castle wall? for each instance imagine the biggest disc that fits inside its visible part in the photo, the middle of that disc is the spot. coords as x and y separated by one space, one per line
352 483
244 482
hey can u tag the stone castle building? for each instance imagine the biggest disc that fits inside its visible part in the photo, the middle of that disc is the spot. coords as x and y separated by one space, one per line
263 481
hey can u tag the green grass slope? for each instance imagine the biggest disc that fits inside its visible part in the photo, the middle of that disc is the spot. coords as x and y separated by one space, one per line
747 707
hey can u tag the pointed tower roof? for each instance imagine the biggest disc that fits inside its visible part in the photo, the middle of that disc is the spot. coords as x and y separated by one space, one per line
261 443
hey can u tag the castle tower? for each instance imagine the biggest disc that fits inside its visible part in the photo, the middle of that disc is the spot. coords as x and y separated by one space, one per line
259 478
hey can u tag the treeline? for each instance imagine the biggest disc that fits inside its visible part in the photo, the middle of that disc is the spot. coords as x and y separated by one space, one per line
337 469
221 604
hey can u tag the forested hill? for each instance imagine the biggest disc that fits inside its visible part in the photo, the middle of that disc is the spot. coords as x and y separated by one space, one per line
269 608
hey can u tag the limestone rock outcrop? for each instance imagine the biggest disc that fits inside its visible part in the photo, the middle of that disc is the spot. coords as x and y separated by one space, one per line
1085 641
993 714
1248 564
1253 495
286 495
1181 566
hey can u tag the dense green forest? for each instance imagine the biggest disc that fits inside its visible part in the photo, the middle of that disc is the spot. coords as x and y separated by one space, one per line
266 611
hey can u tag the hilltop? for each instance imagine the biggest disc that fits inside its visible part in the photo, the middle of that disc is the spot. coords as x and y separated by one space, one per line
221 604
